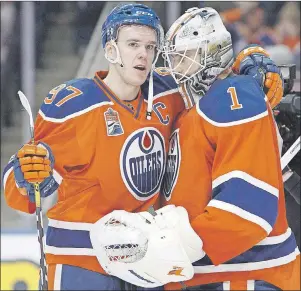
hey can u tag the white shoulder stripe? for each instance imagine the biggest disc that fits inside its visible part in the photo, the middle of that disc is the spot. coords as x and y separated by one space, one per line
232 123
78 113
248 178
241 213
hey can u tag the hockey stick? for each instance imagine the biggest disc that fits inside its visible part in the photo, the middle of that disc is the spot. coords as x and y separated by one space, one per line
40 229
290 153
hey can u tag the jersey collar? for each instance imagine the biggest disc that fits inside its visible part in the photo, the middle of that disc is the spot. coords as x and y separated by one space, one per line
98 79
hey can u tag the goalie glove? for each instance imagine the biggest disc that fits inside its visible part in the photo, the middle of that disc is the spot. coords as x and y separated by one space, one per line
176 218
136 249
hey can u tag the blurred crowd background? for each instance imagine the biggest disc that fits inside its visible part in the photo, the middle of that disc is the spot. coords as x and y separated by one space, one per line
275 25
63 31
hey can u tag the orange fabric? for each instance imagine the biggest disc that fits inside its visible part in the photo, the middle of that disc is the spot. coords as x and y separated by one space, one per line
85 262
238 285
88 160
208 152
214 247
15 199
212 163
51 274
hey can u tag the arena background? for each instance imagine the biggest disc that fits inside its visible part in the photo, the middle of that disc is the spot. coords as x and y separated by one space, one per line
46 43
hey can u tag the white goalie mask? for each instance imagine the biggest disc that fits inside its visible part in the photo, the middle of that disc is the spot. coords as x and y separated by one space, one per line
197 49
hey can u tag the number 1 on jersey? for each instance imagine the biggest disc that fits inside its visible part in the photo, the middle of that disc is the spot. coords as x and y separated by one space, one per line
235 103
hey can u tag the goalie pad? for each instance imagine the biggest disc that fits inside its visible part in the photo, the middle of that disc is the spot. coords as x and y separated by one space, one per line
134 248
176 218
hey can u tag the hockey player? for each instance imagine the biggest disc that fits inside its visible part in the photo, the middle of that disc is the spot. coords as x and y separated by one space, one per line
224 165
108 155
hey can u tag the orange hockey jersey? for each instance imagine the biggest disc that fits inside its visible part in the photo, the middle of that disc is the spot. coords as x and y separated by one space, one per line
108 156
224 168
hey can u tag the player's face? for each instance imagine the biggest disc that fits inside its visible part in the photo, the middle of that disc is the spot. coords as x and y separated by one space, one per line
137 48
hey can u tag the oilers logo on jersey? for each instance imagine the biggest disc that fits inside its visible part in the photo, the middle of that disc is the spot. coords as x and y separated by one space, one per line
172 165
142 162
113 123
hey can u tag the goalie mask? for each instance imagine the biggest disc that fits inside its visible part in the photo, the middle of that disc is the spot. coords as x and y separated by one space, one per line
197 49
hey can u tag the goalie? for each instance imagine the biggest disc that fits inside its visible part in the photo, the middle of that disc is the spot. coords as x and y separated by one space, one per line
97 146
224 163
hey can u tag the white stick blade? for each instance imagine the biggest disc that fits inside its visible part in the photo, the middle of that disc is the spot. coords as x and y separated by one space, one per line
26 105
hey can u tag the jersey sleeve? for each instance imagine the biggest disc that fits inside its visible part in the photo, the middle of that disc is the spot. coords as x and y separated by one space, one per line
246 171
67 129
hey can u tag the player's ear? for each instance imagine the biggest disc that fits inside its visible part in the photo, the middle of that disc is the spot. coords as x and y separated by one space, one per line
110 50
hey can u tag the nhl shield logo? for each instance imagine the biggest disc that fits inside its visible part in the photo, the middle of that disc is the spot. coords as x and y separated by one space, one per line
172 165
113 123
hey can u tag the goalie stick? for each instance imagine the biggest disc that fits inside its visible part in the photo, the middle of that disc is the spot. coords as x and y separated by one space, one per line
40 228
290 153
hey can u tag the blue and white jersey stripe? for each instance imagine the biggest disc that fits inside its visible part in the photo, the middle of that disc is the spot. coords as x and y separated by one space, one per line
68 238
270 252
73 238
250 198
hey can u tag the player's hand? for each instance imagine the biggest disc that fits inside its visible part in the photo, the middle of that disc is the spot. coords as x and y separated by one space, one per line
34 163
255 61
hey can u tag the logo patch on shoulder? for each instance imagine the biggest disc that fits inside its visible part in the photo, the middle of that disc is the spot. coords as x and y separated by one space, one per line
113 123
142 162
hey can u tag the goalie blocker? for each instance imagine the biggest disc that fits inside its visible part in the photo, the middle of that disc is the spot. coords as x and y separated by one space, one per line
147 250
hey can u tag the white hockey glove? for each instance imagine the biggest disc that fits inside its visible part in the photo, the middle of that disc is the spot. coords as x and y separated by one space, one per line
134 248
176 218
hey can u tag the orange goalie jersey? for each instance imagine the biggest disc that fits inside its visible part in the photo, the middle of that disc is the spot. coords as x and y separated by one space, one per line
224 168
108 156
